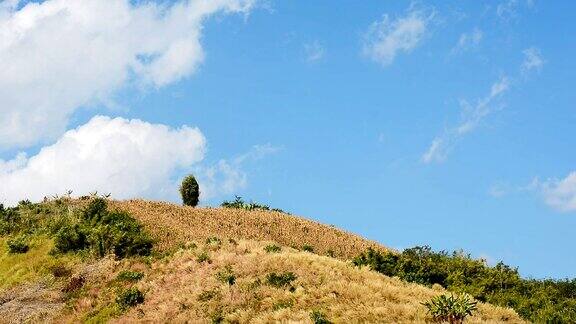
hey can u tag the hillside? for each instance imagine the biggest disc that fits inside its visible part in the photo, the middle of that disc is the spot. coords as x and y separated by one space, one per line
210 265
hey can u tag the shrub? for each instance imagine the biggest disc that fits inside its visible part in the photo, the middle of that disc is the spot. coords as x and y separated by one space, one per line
74 284
207 295
319 318
127 275
308 248
272 248
280 280
226 275
450 308
71 237
203 257
190 191
60 271
18 244
534 300
130 297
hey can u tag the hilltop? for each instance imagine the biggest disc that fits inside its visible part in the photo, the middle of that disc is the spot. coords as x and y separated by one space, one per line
208 265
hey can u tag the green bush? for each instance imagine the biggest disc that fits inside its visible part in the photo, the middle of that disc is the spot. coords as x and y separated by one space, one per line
203 257
239 203
280 280
450 308
272 248
190 191
130 297
127 275
319 318
18 244
226 275
71 237
308 248
534 300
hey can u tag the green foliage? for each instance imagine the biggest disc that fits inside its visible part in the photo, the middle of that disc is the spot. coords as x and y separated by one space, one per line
534 300
18 244
280 280
203 257
450 308
130 297
190 191
308 248
239 203
272 248
226 275
103 231
132 276
94 228
319 318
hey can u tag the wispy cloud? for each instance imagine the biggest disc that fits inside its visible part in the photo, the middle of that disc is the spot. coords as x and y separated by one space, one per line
468 41
388 37
472 116
533 61
509 9
314 51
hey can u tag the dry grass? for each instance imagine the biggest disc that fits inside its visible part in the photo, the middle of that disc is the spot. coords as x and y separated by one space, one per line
171 225
345 294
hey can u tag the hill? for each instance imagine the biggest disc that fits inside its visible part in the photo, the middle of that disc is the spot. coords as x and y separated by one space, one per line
207 265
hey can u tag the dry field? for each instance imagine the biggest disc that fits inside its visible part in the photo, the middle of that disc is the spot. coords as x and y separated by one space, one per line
171 225
179 289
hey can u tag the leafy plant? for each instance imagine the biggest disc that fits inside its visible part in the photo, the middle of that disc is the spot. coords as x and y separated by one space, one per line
203 257
308 248
226 275
127 275
207 295
18 244
130 297
450 308
319 318
280 280
272 248
190 191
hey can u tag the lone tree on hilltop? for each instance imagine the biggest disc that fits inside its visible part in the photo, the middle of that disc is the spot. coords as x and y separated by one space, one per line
190 191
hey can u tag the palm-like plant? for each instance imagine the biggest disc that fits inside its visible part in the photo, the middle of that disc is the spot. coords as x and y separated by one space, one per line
451 308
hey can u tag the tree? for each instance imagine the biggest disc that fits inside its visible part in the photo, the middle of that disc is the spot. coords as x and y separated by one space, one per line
190 191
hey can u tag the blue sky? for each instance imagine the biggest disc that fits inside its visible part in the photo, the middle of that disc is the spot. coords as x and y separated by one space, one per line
445 123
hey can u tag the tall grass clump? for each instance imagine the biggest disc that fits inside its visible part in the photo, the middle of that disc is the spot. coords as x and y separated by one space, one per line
190 191
450 308
239 203
534 300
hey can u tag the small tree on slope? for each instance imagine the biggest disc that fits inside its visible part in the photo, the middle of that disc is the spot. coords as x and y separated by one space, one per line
190 191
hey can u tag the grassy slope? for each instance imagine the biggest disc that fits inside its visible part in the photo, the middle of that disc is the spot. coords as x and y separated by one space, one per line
174 282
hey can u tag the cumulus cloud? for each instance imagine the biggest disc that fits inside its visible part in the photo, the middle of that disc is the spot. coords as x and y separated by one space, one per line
59 55
468 41
533 61
389 37
472 116
128 158
561 194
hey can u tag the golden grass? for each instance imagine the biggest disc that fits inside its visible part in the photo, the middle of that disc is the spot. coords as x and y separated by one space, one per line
171 225
345 294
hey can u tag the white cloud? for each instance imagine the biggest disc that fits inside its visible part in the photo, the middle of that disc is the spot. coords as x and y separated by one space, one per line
509 9
472 116
59 55
128 158
561 194
314 51
468 41
533 61
389 37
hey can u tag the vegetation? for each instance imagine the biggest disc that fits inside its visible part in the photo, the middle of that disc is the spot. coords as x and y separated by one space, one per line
132 276
93 229
226 275
319 318
272 248
535 300
450 308
239 203
308 248
190 191
130 297
280 280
